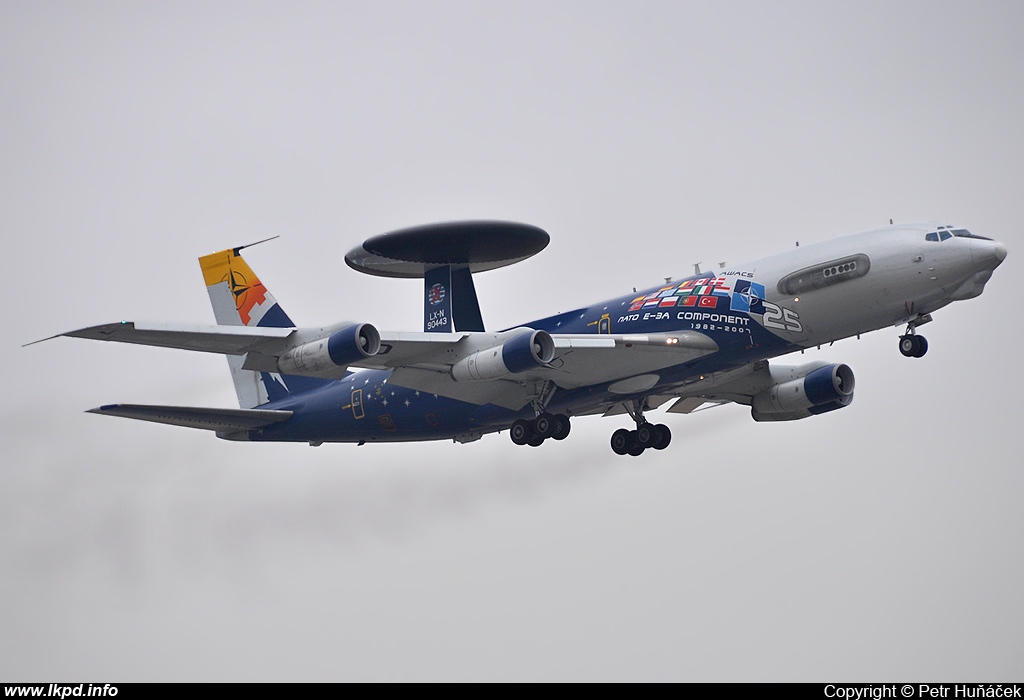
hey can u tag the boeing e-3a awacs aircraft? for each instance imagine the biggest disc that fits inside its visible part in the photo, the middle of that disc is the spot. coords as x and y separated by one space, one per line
705 339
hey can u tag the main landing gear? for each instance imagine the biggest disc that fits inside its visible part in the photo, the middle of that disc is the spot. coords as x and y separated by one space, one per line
912 344
534 432
634 442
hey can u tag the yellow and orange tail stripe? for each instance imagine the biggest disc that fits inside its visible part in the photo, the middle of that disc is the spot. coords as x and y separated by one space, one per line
248 295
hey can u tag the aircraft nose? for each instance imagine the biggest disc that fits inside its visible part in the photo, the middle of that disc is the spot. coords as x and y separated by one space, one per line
987 255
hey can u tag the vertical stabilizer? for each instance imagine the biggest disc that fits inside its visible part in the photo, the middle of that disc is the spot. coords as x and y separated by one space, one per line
449 300
465 307
240 299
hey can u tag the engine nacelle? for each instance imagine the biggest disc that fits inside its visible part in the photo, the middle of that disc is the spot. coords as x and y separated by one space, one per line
341 349
814 389
526 351
797 415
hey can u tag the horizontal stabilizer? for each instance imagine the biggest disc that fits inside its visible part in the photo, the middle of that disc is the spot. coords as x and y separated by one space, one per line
220 419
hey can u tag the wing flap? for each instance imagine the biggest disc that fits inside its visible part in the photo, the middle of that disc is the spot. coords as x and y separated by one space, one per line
583 360
220 419
402 349
687 405
563 342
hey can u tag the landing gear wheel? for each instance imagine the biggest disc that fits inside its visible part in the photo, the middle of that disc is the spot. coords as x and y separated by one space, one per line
645 435
562 427
545 425
663 436
521 432
635 448
913 345
535 441
621 441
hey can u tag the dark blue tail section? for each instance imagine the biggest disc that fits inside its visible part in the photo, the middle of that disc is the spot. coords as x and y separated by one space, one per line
449 300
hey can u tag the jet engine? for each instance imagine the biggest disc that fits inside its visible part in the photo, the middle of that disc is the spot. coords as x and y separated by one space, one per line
341 349
804 391
525 351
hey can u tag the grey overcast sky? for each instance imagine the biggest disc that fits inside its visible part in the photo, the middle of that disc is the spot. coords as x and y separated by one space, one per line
881 542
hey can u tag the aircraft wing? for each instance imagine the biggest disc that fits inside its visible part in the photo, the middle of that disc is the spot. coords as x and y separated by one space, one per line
424 361
397 349
226 340
616 355
580 360
737 385
774 393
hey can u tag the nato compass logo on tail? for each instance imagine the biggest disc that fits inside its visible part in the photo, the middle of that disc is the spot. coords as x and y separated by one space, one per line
436 294
748 297
246 295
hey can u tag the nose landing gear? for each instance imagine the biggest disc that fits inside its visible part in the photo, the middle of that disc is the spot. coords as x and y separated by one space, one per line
912 344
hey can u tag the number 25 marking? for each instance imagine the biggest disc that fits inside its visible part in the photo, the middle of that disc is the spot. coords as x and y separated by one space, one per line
781 319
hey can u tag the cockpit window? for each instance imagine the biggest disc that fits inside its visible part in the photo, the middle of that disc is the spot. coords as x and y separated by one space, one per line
964 233
944 233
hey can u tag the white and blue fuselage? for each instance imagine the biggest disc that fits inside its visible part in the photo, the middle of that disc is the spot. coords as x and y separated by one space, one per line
806 296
